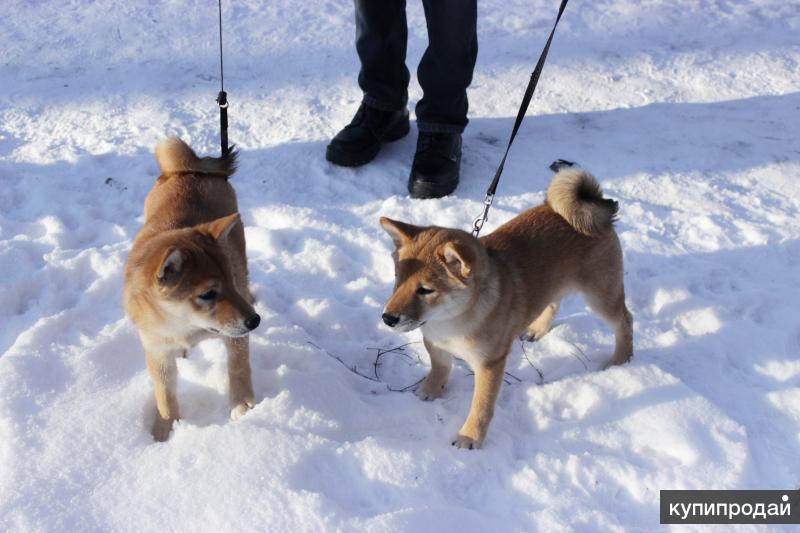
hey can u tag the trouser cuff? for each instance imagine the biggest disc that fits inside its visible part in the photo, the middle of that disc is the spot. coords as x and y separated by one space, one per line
383 106
438 127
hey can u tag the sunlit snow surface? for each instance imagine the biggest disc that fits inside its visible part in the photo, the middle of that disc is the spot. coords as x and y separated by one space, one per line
688 113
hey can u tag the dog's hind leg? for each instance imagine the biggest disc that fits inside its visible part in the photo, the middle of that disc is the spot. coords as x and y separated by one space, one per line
623 331
611 307
164 373
541 325
239 375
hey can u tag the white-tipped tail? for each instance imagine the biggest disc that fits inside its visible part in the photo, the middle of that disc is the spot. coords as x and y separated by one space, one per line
174 155
575 195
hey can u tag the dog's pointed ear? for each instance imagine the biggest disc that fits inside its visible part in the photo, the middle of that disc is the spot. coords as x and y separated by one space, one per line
457 258
170 269
400 232
221 227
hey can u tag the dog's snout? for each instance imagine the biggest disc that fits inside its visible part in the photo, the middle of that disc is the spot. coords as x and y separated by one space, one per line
252 322
390 320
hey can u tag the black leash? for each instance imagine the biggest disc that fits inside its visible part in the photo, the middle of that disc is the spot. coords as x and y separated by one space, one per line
523 108
222 97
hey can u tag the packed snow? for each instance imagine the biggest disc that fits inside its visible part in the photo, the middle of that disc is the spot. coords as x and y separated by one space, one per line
689 114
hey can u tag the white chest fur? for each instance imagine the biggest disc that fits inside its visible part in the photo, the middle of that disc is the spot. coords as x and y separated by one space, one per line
455 341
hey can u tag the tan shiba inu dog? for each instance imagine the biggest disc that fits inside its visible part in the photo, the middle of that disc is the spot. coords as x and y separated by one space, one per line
186 276
472 297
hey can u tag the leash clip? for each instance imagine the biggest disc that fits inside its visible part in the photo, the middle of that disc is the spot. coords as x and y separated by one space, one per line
222 99
477 225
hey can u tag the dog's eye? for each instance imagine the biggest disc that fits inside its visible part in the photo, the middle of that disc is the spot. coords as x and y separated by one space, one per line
208 295
424 290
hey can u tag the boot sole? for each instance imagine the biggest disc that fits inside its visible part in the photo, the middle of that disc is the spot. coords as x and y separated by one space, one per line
423 190
349 159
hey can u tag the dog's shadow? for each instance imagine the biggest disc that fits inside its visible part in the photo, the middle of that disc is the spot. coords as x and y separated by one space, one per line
200 405
202 388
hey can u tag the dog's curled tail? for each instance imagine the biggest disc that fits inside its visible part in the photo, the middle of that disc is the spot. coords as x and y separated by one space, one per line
576 196
174 155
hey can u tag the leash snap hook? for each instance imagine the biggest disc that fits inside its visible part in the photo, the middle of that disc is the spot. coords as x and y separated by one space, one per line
222 99
477 225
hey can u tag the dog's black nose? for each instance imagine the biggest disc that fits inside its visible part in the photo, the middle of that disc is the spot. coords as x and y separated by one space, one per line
252 322
390 320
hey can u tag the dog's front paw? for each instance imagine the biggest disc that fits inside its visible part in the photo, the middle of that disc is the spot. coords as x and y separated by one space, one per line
240 409
469 443
161 428
429 390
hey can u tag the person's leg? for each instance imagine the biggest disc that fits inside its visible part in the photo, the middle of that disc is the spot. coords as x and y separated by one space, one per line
381 36
445 71
381 39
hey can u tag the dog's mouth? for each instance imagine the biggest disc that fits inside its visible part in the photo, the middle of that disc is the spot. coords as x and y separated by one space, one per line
409 325
243 332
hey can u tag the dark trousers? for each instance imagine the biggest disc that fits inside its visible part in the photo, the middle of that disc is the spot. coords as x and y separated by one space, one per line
445 71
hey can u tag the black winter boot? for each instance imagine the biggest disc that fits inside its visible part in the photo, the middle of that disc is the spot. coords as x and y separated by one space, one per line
360 141
436 165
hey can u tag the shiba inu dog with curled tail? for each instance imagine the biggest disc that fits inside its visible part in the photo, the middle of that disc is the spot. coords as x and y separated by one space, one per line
472 297
186 276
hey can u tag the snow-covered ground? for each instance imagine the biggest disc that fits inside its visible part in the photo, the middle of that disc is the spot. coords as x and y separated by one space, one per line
688 112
